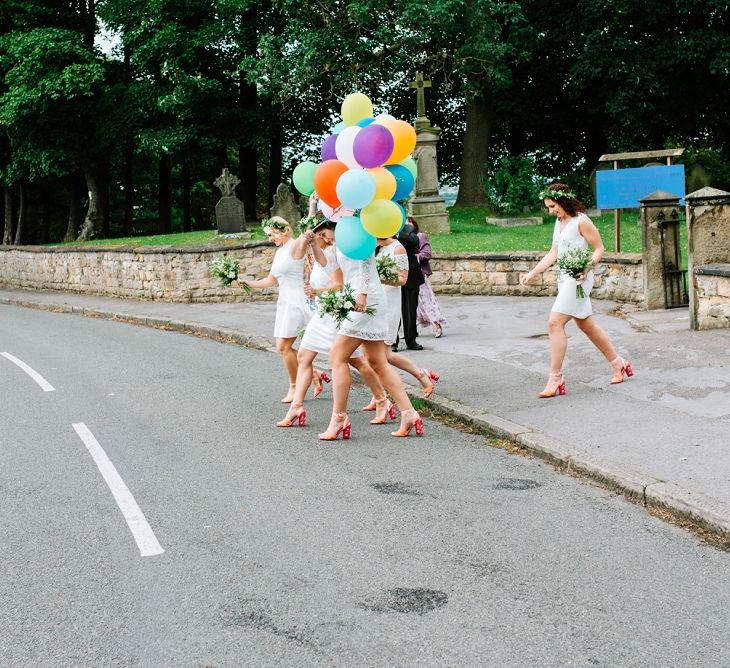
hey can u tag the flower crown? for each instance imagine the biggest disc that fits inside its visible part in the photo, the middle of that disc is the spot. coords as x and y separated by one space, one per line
556 194
273 224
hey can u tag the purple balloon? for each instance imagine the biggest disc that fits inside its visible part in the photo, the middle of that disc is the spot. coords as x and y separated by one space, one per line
328 148
373 146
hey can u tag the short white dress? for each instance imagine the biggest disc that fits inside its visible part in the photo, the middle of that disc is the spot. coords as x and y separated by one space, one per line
393 292
322 329
292 311
566 301
362 276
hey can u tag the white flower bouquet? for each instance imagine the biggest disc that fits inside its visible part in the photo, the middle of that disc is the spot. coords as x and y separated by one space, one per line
574 262
339 304
387 269
226 269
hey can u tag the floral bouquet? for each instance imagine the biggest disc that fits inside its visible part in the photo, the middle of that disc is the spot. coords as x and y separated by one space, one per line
574 262
225 269
339 304
387 269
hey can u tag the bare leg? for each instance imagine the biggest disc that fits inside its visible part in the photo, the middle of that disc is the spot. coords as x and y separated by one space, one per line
368 375
340 354
289 357
597 336
304 378
558 340
405 364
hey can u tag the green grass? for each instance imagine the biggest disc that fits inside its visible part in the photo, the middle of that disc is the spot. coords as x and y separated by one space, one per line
469 233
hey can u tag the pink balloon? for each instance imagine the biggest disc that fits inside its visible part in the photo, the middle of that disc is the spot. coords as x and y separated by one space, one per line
334 214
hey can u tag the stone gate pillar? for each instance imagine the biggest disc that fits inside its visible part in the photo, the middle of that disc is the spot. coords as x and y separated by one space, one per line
708 261
655 208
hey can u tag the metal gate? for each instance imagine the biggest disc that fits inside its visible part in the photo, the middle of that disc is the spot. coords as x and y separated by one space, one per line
675 278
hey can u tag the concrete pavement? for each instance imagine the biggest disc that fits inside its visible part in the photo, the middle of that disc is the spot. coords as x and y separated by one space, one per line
662 437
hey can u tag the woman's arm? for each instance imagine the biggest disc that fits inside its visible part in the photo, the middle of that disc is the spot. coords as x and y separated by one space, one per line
541 266
299 247
268 282
319 255
590 233
336 284
424 249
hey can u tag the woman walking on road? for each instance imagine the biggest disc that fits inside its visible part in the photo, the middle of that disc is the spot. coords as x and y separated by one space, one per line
573 229
428 313
292 310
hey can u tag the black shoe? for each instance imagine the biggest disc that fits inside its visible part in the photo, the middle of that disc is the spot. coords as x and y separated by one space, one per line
394 347
414 346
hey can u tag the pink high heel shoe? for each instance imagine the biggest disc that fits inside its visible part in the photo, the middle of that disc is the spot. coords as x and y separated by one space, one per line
618 374
388 411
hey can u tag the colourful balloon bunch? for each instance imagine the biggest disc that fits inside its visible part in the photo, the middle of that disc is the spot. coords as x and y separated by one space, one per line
366 167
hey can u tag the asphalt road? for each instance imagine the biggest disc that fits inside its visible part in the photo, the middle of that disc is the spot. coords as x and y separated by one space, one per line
280 550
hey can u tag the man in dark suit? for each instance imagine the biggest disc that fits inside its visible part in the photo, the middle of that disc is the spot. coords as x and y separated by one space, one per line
409 292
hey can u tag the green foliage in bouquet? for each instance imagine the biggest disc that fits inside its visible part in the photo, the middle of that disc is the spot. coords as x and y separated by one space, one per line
387 269
339 304
576 261
225 269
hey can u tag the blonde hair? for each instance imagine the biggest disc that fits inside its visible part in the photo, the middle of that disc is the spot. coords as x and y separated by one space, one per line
276 224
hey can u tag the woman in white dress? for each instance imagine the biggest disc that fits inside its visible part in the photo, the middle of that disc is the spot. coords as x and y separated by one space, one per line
292 310
368 331
394 249
321 332
573 229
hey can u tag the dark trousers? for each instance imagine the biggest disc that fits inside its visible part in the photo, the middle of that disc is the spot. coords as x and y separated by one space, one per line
409 306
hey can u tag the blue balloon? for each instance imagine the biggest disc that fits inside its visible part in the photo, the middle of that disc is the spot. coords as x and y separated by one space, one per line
336 129
355 188
365 122
403 181
353 239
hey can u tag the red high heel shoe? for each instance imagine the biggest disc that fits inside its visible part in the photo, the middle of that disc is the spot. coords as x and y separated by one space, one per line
317 380
388 413
432 378
323 375
416 423
294 413
343 428
618 376
557 381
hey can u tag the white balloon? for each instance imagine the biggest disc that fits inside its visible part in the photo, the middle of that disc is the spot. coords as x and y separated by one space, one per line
384 117
343 146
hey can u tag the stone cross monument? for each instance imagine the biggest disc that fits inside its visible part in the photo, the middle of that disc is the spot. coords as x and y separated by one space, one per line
427 206
229 212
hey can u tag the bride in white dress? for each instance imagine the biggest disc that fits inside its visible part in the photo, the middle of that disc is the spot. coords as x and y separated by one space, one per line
292 310
321 332
573 229
368 331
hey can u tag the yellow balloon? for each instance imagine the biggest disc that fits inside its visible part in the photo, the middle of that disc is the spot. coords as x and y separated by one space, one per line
385 185
355 107
381 218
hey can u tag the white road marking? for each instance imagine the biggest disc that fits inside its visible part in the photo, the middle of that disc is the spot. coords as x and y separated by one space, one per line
45 385
138 525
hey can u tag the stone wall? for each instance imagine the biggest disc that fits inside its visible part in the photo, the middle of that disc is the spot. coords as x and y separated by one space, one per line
619 277
713 296
170 274
152 273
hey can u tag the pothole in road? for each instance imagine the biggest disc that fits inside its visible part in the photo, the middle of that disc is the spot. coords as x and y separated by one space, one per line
516 483
407 600
395 488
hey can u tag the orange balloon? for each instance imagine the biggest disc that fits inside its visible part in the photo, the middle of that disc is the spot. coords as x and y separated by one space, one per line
325 181
385 184
404 138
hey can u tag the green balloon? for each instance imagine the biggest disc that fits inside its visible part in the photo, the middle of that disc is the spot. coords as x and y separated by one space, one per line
303 177
410 164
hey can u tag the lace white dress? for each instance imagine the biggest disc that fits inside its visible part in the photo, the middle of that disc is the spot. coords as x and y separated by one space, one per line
322 329
393 292
292 310
362 275
566 301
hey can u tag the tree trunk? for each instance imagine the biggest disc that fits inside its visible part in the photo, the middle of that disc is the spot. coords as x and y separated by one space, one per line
248 155
92 221
128 189
9 231
22 207
165 195
75 206
45 215
104 200
276 144
475 153
187 226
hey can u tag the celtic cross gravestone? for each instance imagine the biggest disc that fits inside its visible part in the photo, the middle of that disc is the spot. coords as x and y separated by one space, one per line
229 212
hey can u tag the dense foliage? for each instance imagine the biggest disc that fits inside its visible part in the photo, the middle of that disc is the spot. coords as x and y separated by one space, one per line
129 142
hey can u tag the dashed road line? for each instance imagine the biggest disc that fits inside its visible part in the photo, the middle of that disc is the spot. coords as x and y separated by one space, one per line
45 385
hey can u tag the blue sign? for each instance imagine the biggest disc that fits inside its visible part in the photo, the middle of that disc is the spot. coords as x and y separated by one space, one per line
623 188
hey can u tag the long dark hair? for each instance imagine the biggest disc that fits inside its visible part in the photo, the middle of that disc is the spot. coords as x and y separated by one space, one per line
411 220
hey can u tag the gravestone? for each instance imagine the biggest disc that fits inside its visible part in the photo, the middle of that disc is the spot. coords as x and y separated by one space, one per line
230 214
285 206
